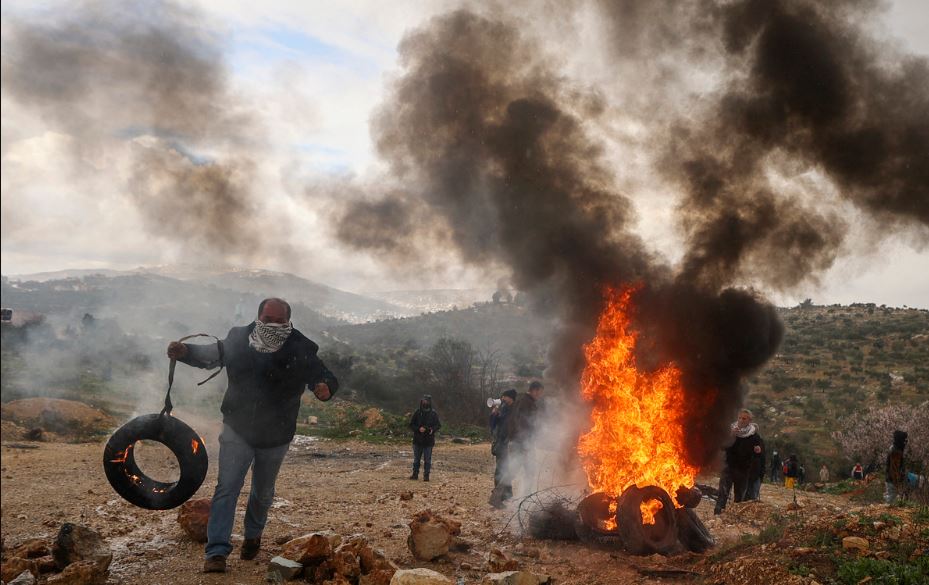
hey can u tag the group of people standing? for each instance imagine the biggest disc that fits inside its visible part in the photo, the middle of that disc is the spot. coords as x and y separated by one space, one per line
512 423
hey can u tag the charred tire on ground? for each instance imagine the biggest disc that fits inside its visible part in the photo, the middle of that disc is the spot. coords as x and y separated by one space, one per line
592 512
646 539
128 480
691 531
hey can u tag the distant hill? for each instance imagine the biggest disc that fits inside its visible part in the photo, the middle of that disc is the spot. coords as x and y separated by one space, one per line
322 299
430 301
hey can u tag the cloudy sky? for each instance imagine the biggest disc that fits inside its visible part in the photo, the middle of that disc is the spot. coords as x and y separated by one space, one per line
113 115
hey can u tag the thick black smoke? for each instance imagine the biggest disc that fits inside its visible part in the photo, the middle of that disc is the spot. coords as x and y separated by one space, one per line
147 81
481 130
813 88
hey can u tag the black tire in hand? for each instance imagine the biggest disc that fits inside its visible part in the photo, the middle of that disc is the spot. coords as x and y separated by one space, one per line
137 488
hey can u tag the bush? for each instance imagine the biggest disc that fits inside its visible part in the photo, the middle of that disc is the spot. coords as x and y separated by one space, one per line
854 571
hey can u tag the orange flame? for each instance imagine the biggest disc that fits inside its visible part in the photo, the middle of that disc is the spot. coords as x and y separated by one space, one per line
122 456
195 445
610 523
649 509
636 437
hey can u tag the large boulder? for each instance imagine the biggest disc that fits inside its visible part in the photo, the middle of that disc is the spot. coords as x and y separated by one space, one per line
77 543
431 535
419 577
193 517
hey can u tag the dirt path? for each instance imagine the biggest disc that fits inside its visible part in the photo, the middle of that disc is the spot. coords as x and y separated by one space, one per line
346 487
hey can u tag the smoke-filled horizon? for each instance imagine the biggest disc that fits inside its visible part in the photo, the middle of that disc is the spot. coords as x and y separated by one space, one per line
764 140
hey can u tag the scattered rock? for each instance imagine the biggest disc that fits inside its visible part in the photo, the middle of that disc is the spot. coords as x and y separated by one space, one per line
855 543
405 496
14 566
24 578
498 562
193 517
76 542
419 577
460 441
431 535
283 539
311 547
793 506
459 544
32 549
80 573
515 578
312 420
286 568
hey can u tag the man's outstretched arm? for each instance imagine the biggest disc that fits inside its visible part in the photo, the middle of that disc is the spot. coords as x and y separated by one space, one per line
198 356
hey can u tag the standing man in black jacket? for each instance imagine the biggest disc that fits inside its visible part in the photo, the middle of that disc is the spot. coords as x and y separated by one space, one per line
424 423
269 365
739 472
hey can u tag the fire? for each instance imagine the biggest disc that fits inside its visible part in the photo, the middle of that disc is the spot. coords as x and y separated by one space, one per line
649 509
610 523
636 437
122 456
195 445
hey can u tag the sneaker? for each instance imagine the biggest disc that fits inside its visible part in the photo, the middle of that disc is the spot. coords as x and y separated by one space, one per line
215 564
426 477
250 548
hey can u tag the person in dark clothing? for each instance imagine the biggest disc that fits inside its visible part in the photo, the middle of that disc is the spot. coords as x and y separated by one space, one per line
791 472
269 364
895 468
519 428
775 467
756 472
738 474
424 423
503 489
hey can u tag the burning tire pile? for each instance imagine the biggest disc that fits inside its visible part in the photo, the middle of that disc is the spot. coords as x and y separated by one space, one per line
642 521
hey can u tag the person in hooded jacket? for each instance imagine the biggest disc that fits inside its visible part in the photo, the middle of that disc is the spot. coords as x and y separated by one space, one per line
742 461
424 423
269 365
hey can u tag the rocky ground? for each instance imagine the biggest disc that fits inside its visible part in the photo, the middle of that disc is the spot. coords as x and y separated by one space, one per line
353 487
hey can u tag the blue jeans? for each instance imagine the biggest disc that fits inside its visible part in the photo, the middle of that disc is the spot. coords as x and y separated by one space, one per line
425 453
235 457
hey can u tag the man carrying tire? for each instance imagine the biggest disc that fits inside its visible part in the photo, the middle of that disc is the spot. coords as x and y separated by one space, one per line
269 365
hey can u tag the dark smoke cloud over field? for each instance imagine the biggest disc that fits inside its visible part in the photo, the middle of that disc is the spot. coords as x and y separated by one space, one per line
482 130
145 81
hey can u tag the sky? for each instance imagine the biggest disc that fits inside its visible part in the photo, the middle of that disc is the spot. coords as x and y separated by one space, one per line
301 82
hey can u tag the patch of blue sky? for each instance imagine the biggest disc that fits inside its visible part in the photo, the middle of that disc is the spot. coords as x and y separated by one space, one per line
330 160
279 43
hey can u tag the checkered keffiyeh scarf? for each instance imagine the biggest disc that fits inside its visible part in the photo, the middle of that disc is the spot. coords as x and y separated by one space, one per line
269 337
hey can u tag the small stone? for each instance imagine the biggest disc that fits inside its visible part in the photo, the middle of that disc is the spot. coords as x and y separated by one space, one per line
24 578
515 578
855 543
283 539
465 566
14 566
793 506
193 517
405 496
419 577
286 568
80 573
878 525
310 547
431 535
498 562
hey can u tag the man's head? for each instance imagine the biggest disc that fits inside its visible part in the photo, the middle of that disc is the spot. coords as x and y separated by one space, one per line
426 402
745 417
274 310
509 396
535 389
900 438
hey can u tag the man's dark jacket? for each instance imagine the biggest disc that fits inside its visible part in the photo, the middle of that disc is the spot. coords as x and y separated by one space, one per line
429 419
521 422
740 455
263 397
